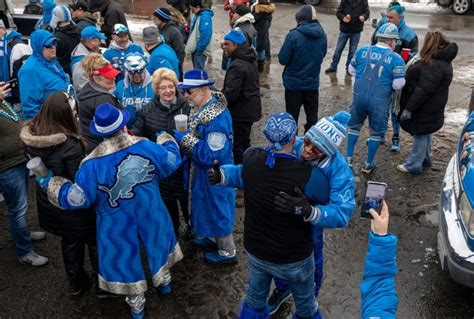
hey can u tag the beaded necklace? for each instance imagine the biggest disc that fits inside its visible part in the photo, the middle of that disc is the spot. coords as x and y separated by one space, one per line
13 116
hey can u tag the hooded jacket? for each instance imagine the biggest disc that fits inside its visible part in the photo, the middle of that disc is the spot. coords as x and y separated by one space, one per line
200 37
154 118
38 77
163 56
355 8
245 24
302 54
241 86
116 56
69 37
426 91
262 14
174 38
89 98
62 154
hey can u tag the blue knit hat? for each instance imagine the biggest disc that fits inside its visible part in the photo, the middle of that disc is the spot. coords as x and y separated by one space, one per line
162 14
235 36
328 134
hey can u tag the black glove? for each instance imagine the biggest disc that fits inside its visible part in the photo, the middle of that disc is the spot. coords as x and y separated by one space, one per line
297 204
214 174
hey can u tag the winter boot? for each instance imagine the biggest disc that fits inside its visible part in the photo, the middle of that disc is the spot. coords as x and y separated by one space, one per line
260 66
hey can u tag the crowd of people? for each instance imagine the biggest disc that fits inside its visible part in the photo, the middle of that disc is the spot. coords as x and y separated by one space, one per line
103 122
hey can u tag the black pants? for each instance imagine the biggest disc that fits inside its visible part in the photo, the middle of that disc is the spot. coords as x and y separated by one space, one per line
310 102
73 248
173 209
241 139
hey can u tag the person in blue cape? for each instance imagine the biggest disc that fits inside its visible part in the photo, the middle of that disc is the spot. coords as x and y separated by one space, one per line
120 177
277 237
41 74
320 147
161 54
135 90
208 139
119 48
378 72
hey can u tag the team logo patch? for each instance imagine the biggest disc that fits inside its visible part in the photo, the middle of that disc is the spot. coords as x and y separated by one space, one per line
132 171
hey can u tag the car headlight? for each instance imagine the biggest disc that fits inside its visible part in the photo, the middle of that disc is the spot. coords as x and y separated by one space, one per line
467 214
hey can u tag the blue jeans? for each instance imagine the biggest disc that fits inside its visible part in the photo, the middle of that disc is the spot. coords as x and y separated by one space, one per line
353 39
318 244
299 276
199 60
420 154
14 186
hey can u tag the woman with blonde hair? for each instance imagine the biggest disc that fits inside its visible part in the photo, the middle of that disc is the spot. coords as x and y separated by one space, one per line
157 116
98 90
424 98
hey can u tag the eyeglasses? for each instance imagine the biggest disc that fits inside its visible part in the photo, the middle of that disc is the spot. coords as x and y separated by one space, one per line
390 17
164 87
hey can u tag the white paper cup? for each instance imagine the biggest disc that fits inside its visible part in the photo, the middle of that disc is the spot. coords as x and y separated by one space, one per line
36 166
181 122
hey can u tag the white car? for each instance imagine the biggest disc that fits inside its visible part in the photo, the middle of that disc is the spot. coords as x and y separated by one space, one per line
457 6
456 217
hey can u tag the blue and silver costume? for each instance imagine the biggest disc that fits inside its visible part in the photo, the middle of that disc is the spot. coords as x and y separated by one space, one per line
121 178
210 138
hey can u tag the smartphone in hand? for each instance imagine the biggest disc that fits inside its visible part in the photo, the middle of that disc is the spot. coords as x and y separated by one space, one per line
13 83
373 198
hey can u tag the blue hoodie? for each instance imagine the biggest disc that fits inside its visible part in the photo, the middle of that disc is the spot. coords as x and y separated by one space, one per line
38 77
163 56
302 54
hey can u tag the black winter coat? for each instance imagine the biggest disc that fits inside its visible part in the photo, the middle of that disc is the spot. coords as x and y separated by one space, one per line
153 118
112 13
174 38
426 91
62 154
355 8
69 37
242 87
262 25
89 97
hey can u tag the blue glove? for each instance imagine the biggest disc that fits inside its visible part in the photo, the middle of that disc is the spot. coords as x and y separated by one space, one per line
179 135
43 182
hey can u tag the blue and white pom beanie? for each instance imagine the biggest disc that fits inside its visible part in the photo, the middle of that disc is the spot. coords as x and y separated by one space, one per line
328 134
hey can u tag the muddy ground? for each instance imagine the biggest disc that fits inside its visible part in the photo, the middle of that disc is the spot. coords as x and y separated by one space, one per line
202 291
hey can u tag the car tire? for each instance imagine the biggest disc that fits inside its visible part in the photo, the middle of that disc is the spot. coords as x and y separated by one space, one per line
461 6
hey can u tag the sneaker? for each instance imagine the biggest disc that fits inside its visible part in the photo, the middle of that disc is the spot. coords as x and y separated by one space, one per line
33 259
86 281
330 70
165 289
216 259
204 242
367 169
395 147
37 235
402 168
277 299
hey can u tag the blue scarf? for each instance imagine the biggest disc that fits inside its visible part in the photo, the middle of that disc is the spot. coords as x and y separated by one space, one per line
54 67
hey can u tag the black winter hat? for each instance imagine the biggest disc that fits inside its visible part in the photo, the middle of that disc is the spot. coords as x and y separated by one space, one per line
80 4
195 3
242 10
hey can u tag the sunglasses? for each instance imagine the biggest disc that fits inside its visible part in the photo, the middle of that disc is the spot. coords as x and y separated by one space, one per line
136 72
52 45
189 91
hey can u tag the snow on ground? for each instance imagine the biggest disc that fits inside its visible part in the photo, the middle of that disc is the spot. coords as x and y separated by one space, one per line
424 6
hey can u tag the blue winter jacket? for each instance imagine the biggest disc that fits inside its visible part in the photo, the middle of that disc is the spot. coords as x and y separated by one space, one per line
116 57
302 54
378 296
205 28
163 56
338 211
37 78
